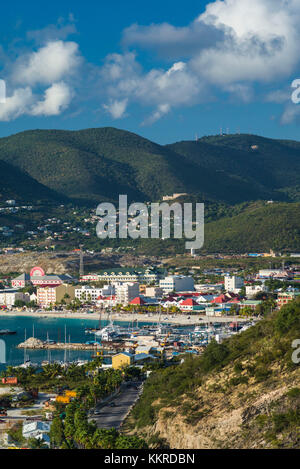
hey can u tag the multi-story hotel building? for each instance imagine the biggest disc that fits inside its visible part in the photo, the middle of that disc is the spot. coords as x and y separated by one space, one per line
176 283
147 275
125 292
49 296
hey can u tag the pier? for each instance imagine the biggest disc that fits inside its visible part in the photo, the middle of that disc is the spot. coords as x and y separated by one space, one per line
37 344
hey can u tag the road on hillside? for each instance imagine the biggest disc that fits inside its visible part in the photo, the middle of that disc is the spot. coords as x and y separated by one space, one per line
113 413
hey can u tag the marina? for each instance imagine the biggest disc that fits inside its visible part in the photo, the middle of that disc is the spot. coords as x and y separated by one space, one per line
48 339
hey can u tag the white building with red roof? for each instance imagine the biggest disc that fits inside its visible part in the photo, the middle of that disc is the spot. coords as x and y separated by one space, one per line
189 305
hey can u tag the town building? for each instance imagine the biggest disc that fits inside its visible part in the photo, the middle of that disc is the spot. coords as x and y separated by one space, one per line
38 278
106 301
253 290
233 284
249 303
176 283
174 196
125 292
89 293
49 296
208 287
225 298
8 297
285 297
147 275
21 281
89 278
273 273
154 292
122 359
190 305
38 430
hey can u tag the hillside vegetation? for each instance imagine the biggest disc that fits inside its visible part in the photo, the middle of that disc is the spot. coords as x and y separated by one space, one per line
270 166
235 175
15 184
259 227
243 393
95 164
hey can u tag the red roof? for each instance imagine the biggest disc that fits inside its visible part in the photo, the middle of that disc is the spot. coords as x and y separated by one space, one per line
220 299
190 294
138 301
169 298
234 300
189 302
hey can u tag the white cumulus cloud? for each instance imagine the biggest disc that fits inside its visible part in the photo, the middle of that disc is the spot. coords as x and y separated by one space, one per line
17 104
230 47
116 108
56 99
48 64
165 89
227 50
261 41
40 83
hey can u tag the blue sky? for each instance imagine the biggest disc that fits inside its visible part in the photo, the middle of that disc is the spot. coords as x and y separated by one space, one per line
167 70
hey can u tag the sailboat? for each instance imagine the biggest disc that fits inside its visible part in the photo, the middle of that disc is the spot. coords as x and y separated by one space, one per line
26 363
109 332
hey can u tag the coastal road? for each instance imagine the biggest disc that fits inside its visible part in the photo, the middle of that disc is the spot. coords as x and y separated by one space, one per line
114 412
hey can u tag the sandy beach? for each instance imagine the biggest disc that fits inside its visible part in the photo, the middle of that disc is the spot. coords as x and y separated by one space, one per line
180 319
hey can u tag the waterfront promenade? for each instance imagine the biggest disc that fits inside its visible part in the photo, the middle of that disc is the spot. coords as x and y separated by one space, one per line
164 318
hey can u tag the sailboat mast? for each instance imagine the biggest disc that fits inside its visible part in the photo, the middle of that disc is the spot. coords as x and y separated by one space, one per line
65 352
25 336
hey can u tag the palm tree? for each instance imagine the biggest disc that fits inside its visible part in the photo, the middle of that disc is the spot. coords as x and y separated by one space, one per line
37 443
52 370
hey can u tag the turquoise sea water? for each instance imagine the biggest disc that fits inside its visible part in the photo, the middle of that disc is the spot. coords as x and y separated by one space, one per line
55 327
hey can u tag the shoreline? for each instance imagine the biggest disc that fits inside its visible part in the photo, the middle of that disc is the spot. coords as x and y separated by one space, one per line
181 320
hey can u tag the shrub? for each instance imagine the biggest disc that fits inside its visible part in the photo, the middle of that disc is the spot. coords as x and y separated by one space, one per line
288 317
280 422
238 380
293 393
214 355
261 374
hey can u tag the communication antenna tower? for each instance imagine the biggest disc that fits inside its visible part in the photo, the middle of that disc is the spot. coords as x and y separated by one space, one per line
81 263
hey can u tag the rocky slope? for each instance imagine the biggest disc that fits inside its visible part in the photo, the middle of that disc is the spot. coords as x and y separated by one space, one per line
244 393
234 419
68 262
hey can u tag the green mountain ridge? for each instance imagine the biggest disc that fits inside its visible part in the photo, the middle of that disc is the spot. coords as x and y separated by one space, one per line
235 175
99 164
271 166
